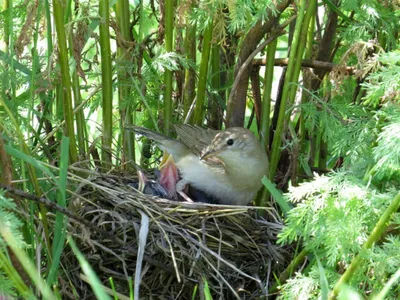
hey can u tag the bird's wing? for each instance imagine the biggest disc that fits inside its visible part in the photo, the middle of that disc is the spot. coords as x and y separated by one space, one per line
195 137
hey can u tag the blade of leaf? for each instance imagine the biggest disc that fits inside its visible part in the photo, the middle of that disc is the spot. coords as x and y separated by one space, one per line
323 280
337 10
206 290
283 204
94 281
17 65
382 294
195 292
60 226
30 160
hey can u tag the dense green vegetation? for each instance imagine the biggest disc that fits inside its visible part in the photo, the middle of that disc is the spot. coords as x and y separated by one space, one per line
318 81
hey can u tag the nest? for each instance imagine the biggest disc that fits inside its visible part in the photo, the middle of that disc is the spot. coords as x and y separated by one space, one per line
175 248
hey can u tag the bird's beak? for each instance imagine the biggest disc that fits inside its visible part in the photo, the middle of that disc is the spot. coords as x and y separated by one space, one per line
209 153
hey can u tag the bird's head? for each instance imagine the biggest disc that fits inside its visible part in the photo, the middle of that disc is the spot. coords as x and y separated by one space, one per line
233 145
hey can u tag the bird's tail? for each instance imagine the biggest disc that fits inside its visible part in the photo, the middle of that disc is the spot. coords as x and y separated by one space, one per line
151 134
172 146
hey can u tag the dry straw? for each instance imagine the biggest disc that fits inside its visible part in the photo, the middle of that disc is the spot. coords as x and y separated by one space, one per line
185 244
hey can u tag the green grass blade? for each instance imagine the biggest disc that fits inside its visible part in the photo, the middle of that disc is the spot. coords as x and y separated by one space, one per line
30 160
168 75
17 65
113 288
60 226
323 280
383 293
283 204
195 291
94 281
333 7
206 290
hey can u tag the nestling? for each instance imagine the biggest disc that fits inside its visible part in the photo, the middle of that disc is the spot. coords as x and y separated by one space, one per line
227 165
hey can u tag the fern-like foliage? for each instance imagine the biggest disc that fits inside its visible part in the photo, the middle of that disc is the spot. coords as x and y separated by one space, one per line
387 152
383 86
335 214
10 220
13 224
6 286
231 16
373 19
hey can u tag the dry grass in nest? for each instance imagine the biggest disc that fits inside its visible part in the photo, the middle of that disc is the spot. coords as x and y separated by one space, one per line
188 244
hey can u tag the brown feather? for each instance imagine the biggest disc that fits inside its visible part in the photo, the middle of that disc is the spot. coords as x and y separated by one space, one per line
196 138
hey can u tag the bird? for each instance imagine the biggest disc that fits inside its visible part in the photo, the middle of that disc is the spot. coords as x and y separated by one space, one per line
226 165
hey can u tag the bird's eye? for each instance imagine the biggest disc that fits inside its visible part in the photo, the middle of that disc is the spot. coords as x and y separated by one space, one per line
229 142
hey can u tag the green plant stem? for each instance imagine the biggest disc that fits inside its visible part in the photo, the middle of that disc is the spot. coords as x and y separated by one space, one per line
289 270
35 63
141 22
374 237
9 41
305 36
80 118
81 129
323 145
201 88
190 73
124 90
6 6
392 281
106 81
6 40
169 35
65 78
49 36
59 106
46 98
311 9
67 11
276 143
266 104
215 120
266 110
305 94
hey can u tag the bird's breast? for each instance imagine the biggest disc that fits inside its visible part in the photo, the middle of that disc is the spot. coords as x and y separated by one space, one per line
236 189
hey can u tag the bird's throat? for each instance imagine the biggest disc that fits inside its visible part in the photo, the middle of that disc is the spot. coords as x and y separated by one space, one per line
246 172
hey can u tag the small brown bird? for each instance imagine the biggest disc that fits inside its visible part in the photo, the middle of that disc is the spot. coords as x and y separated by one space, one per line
227 165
